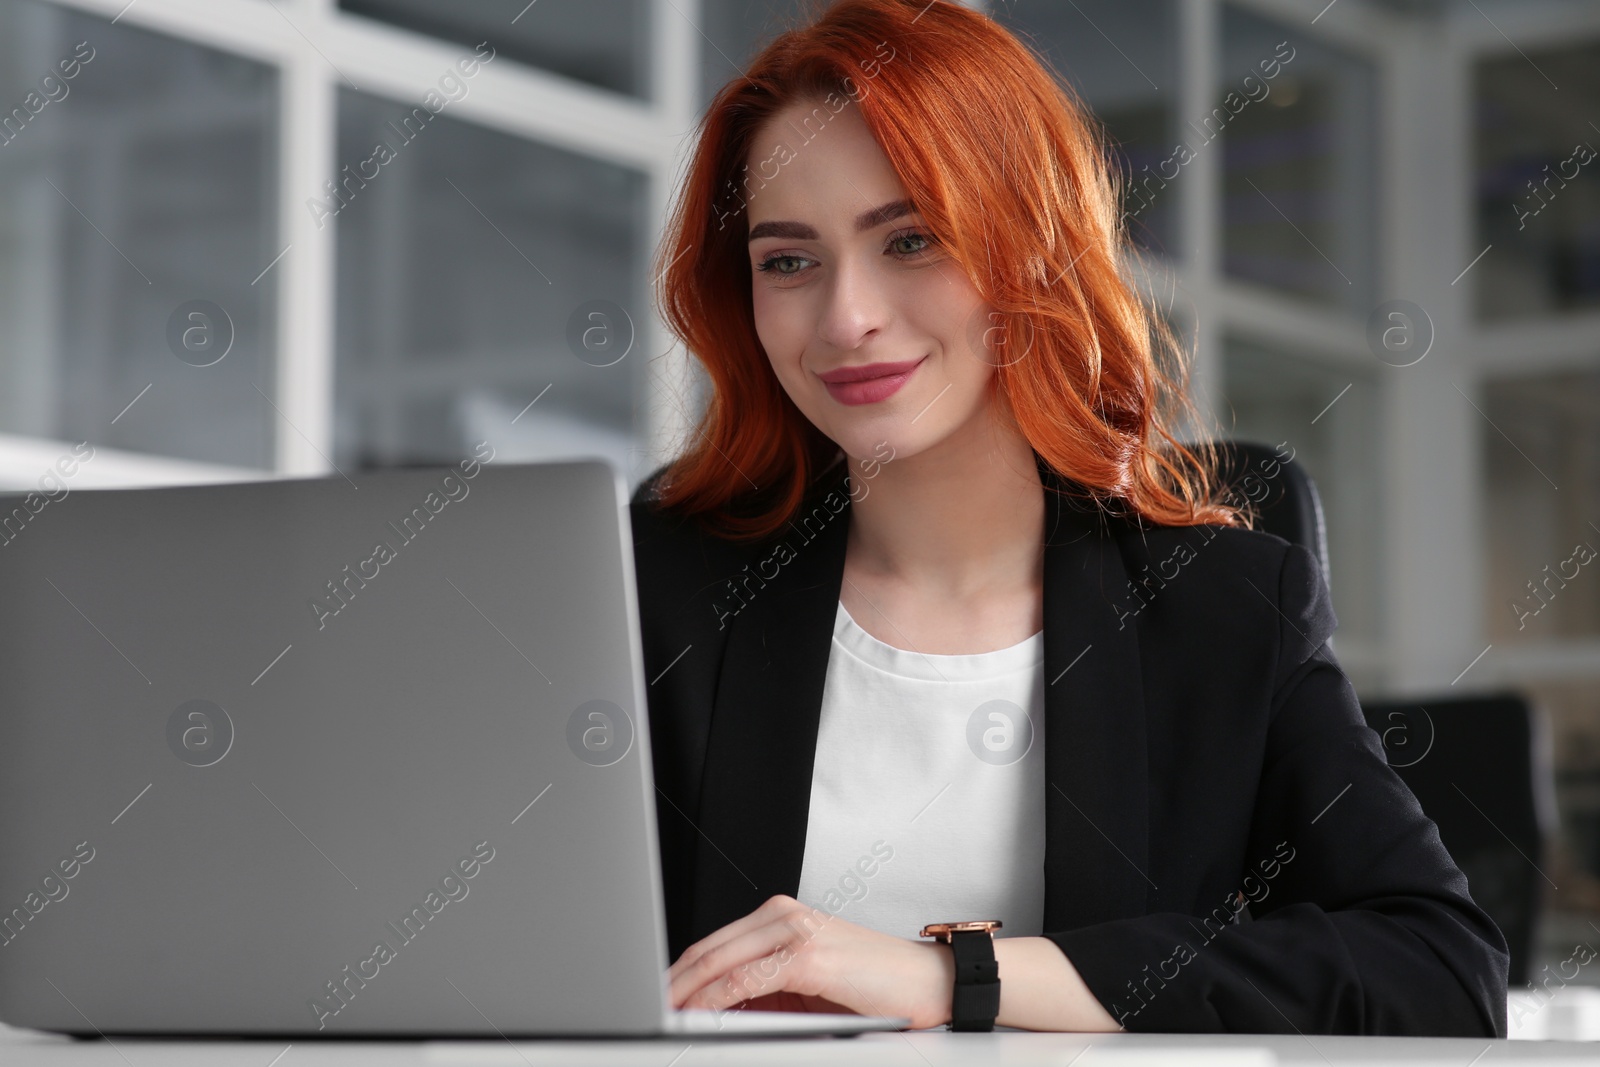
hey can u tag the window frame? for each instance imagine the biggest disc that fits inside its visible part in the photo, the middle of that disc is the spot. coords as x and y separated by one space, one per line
316 48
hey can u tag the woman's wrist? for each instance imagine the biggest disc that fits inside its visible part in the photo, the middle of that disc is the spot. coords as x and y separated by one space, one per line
1040 989
939 983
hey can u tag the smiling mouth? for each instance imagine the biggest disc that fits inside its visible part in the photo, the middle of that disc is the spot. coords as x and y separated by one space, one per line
850 386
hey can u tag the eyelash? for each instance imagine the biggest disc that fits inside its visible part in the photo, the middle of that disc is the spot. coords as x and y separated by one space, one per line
766 265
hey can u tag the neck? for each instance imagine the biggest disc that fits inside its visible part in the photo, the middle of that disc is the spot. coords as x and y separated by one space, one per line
963 516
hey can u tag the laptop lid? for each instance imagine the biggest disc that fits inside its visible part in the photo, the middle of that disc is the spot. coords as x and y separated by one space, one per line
329 756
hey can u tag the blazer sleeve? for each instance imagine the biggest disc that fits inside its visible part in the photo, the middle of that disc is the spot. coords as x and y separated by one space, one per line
1358 921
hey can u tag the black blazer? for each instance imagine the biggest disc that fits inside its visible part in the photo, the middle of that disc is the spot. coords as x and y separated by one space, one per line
1202 747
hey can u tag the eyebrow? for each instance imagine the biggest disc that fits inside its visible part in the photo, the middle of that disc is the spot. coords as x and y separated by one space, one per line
799 231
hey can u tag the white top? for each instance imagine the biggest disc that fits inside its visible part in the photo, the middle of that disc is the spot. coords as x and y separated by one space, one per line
928 790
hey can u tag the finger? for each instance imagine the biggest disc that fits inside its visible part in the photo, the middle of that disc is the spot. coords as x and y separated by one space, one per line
773 907
770 908
717 962
759 978
749 965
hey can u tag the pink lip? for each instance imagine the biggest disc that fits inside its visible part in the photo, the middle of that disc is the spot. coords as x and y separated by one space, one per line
868 384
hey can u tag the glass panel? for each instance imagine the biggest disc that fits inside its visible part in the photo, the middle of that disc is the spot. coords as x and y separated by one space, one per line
1328 413
471 270
599 42
1299 181
1544 547
1538 182
735 30
137 178
1122 58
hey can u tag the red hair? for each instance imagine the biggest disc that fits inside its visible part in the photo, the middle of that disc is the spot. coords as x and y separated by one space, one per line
1010 173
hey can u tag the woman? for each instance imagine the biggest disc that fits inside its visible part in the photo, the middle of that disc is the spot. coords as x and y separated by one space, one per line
934 510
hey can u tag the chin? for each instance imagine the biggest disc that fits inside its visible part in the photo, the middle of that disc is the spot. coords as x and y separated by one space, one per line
879 443
880 434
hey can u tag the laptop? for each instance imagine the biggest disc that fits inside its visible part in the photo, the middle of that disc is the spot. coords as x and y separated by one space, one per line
340 756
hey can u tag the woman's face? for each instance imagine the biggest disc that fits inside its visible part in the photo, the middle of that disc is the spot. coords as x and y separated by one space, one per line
845 276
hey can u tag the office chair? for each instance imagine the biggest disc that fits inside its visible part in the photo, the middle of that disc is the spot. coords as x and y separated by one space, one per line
1479 769
1283 494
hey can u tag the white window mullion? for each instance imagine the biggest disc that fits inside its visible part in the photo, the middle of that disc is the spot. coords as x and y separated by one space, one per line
1530 27
669 384
24 459
1312 331
1433 434
308 125
512 97
1543 345
1199 192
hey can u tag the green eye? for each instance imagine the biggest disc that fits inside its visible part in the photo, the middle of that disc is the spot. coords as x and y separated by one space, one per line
782 264
909 244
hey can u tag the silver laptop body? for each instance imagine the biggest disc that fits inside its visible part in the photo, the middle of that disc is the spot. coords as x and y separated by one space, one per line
334 757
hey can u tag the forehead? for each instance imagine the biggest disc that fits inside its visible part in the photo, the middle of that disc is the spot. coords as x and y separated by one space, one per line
817 156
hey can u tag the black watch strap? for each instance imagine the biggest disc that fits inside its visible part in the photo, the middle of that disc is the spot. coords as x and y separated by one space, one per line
976 1000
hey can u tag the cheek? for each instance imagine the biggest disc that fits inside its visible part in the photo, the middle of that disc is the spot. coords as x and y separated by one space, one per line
781 328
968 367
766 316
962 326
946 307
971 380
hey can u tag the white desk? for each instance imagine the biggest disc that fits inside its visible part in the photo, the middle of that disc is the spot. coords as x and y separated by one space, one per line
19 1048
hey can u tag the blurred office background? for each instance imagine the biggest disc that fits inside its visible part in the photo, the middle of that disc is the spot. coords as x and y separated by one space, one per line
179 289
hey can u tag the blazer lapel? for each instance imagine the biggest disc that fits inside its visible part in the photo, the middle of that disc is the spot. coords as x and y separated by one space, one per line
755 796
1097 774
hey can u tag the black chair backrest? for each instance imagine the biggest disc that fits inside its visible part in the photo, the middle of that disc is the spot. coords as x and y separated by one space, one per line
1477 768
1285 497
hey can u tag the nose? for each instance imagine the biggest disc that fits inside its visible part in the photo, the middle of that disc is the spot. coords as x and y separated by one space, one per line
857 306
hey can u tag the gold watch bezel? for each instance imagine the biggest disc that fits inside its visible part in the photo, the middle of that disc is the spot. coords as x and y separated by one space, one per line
942 931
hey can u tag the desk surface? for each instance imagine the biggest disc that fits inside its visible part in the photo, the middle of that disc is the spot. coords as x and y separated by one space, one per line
22 1048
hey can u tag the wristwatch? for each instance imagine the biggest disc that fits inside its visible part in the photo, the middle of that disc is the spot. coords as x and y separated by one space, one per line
976 999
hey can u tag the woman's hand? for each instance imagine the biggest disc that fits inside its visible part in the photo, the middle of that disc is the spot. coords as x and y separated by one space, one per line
789 956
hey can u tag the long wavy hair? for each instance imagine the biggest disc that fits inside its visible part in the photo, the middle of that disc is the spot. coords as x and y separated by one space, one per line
1011 174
